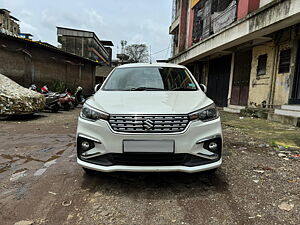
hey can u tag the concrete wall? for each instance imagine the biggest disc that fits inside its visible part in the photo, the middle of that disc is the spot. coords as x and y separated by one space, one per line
282 82
9 24
274 88
264 2
103 71
44 66
259 86
246 6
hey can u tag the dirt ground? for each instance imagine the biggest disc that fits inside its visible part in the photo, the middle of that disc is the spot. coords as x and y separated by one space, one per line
40 182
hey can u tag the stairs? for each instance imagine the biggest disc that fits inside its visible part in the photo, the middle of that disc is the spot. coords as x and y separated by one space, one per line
234 108
288 114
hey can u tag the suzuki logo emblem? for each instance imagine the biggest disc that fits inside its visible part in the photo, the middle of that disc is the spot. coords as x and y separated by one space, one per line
148 124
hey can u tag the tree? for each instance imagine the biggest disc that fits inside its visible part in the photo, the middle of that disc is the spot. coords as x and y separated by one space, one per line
137 53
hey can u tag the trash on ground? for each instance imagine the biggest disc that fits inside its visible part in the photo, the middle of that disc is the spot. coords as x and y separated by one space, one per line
286 206
24 222
66 203
259 171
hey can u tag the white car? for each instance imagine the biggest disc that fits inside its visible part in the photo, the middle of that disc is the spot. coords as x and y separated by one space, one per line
149 118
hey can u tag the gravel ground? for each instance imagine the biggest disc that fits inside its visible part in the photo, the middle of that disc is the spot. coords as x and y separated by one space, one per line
40 182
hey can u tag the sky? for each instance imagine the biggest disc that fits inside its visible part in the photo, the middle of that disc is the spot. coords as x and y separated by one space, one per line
137 21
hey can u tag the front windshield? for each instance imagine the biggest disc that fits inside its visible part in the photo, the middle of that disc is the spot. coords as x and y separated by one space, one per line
150 78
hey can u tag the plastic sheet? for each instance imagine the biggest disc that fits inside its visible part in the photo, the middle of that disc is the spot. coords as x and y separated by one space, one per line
17 100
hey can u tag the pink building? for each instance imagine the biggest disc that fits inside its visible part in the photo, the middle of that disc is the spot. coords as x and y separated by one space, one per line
246 52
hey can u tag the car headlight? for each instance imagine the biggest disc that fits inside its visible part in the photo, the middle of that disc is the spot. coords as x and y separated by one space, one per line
92 114
207 114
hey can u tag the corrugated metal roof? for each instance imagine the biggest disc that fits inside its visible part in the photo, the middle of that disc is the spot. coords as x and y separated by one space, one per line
47 47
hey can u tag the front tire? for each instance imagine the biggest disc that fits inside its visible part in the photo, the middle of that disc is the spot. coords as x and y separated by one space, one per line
55 108
67 107
212 171
89 171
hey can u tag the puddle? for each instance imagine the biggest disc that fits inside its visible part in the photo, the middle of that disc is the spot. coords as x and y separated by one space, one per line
70 144
10 157
17 176
4 167
60 152
14 158
27 158
20 193
72 156
40 172
46 150
20 170
50 163
53 158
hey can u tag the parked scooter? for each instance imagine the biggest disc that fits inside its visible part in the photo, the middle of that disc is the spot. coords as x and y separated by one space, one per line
33 87
52 99
66 100
52 103
79 99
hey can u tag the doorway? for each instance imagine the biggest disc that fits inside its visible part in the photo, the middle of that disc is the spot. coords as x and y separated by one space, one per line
241 78
295 98
218 80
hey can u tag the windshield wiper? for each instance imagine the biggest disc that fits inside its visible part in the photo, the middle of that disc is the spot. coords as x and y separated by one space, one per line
146 89
184 89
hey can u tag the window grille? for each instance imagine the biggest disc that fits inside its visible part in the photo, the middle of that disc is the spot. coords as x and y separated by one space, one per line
284 61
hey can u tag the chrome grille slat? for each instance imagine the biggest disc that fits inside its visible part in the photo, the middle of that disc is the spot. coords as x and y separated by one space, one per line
136 123
142 119
141 123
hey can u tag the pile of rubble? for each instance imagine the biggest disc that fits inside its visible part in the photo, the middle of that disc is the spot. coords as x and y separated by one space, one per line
17 100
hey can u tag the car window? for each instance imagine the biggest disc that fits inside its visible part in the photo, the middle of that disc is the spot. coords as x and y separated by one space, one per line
150 78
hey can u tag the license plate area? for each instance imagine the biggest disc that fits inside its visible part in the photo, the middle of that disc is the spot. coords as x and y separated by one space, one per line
149 146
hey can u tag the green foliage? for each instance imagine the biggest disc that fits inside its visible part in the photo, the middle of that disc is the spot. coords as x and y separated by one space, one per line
58 86
137 53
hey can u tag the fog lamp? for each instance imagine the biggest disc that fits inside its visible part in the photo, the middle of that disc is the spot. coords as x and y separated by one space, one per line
85 145
213 146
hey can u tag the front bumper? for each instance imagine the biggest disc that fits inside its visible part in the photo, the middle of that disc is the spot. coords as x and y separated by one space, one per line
190 142
116 168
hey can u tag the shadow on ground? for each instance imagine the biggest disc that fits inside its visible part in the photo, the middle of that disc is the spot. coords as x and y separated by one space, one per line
141 184
23 118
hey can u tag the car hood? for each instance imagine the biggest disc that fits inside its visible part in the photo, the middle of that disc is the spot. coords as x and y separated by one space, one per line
149 102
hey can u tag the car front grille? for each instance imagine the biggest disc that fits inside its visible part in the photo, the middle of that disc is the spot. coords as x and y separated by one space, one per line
148 123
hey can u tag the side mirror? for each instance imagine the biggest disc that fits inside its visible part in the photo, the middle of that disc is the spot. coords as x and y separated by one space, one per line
97 87
203 88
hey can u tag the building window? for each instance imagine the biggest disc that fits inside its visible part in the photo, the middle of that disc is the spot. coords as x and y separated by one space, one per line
176 38
284 61
262 65
220 5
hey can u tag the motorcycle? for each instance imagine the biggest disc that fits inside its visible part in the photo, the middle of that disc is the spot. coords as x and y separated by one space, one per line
52 101
66 100
51 98
79 99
